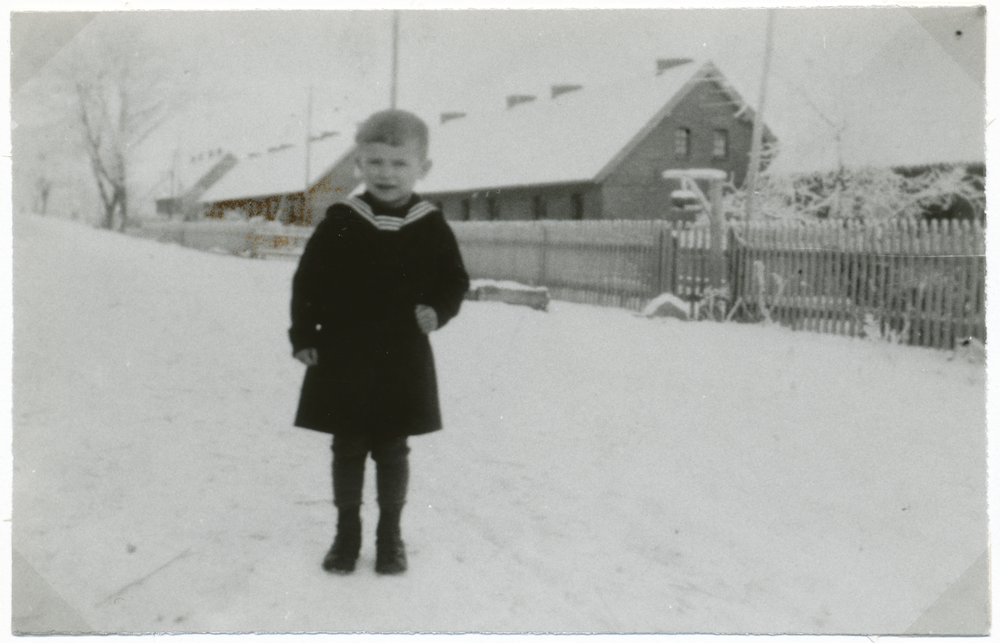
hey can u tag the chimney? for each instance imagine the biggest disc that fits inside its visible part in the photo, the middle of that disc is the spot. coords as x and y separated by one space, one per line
450 116
558 90
516 99
663 64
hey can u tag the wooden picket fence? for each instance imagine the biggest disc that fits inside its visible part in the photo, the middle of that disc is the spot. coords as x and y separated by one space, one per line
233 237
617 263
920 284
917 284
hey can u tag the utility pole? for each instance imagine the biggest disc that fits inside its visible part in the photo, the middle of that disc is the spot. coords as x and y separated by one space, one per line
750 183
173 175
175 180
309 113
395 57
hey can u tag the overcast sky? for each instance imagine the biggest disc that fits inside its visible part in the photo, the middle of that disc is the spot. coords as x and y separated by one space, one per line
836 67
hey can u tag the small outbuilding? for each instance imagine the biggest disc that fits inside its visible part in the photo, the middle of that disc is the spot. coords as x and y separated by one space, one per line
273 184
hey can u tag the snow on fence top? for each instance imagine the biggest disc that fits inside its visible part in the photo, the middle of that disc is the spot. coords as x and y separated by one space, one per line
601 232
965 238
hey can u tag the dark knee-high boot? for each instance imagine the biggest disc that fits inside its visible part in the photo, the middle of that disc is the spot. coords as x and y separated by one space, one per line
390 551
343 554
392 477
348 481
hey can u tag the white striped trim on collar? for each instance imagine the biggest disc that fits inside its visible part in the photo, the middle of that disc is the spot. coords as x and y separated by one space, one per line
385 222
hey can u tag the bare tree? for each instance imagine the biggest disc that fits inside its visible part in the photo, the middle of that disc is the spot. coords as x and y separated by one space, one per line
33 179
122 92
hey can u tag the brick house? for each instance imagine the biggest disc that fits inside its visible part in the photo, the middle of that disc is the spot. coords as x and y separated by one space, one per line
590 153
271 184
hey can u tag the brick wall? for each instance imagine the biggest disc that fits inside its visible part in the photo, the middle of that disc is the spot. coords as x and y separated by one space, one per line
636 189
519 204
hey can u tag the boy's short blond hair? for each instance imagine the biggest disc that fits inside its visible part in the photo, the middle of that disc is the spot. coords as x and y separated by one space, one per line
394 127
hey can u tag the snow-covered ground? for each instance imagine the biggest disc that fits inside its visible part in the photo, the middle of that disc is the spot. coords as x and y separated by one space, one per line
599 472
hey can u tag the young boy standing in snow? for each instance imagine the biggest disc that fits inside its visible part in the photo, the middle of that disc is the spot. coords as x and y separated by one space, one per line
380 273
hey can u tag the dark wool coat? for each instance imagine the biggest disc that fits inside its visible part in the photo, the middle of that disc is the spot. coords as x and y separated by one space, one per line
354 295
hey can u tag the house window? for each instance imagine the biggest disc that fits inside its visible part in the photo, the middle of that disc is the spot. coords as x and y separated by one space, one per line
720 144
576 201
466 209
682 142
492 209
538 206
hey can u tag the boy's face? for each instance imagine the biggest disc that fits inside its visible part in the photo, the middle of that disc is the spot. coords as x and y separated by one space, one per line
391 171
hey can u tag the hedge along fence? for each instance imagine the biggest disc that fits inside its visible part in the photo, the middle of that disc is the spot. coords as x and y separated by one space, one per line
618 263
920 284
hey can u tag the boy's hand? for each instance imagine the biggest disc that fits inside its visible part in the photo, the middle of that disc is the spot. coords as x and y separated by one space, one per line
427 319
308 356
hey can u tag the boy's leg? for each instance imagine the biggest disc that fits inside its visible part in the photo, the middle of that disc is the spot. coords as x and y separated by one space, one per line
349 455
392 475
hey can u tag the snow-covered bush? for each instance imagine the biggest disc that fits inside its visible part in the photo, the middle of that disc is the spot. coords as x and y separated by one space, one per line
867 195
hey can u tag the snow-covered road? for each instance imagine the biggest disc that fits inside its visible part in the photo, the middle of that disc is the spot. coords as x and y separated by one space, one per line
598 472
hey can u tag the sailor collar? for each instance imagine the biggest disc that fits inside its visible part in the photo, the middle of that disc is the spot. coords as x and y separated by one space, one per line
417 211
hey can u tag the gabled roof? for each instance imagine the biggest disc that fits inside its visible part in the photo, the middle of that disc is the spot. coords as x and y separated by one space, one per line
192 169
278 172
211 177
578 136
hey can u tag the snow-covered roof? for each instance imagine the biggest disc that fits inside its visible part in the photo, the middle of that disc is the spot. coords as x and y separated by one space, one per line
279 172
189 168
578 136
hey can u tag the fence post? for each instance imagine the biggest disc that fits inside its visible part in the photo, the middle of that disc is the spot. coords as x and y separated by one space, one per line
716 258
658 276
733 258
673 250
543 269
